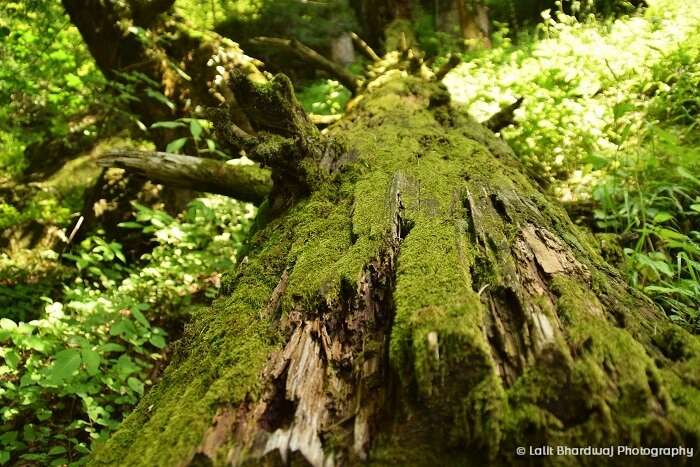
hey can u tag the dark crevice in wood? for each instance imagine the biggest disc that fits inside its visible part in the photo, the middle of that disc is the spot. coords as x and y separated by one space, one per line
279 412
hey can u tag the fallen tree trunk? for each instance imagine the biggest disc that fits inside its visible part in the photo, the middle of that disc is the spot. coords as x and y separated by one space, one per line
244 182
410 298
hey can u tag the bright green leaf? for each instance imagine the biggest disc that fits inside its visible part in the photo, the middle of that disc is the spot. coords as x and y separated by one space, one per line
92 360
65 364
176 145
135 385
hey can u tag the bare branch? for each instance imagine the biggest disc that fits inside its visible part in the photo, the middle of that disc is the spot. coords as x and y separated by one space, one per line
246 183
447 67
324 120
364 47
503 117
308 54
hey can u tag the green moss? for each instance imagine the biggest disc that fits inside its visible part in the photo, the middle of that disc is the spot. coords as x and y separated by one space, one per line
216 364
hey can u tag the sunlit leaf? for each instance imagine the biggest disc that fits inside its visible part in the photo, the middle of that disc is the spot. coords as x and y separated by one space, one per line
176 145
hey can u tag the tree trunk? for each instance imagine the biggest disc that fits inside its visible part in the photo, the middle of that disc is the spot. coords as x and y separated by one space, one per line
174 71
375 15
474 22
165 50
412 299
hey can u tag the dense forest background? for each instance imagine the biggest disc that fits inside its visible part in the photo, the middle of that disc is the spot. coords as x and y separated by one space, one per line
100 272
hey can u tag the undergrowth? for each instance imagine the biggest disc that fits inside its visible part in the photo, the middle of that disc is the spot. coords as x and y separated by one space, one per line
610 120
69 375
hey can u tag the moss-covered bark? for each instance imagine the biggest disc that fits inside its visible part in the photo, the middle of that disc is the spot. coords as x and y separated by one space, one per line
419 303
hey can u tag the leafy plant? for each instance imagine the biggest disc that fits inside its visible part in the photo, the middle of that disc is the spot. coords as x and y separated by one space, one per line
67 378
324 97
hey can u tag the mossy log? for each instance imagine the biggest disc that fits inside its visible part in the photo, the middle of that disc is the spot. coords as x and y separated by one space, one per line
412 300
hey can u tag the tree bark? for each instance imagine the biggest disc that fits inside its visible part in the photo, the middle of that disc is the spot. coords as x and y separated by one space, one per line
474 22
412 299
177 60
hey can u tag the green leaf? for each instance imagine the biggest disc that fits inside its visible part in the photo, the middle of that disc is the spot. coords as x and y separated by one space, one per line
662 217
169 125
92 361
683 172
125 366
4 457
111 347
42 415
9 437
157 341
597 162
65 364
622 108
124 328
160 97
11 358
668 234
37 343
176 145
140 318
135 385
56 450
195 128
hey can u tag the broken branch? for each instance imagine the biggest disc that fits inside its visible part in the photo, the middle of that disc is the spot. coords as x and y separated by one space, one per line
447 67
310 55
503 117
244 182
364 47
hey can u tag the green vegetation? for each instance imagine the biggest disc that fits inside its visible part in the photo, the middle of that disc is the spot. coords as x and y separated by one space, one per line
48 80
610 119
70 374
325 97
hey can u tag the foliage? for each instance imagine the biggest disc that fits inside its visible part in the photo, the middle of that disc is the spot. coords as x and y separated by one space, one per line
67 377
609 114
571 79
324 97
313 23
651 193
47 78
200 136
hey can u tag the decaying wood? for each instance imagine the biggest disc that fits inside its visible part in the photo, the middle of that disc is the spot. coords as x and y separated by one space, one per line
325 378
243 182
448 66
